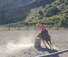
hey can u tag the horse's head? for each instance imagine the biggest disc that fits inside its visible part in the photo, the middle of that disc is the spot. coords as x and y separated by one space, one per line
46 31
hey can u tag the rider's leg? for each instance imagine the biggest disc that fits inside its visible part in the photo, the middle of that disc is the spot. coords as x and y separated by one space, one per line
42 34
42 37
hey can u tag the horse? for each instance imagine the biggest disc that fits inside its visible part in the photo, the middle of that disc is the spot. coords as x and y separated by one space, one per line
46 37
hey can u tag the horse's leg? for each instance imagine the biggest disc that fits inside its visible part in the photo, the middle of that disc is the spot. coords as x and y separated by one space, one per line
50 41
50 44
47 42
44 43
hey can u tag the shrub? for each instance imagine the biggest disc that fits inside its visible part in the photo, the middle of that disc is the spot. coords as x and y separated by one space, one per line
29 20
66 11
41 13
26 23
66 17
66 3
47 22
61 1
54 6
47 15
55 3
44 10
62 7
58 3
56 20
47 6
52 11
32 18
40 17
50 5
66 14
32 23
63 22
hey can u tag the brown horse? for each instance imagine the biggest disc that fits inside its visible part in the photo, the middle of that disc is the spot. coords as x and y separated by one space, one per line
46 37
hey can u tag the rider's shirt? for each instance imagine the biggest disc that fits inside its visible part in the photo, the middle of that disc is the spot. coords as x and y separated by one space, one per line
42 27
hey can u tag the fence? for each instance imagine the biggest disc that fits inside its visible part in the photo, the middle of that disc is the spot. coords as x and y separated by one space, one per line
29 27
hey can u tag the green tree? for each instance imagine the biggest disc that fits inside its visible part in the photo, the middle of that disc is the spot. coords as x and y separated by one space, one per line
66 17
41 13
66 3
26 23
66 11
63 22
32 23
40 17
61 1
56 20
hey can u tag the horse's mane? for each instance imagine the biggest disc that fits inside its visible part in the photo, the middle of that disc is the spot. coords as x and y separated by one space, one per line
46 29
38 34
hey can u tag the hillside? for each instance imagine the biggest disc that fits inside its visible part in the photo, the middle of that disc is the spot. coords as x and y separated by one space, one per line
15 2
46 11
13 14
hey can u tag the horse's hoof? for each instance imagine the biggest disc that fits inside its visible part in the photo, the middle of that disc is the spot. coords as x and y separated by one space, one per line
50 47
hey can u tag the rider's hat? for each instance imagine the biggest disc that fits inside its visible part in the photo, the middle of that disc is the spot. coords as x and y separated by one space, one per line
41 23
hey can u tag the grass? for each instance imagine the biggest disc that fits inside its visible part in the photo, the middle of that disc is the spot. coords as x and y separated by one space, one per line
3 28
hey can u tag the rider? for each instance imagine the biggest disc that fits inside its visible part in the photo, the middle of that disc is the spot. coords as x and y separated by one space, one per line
42 27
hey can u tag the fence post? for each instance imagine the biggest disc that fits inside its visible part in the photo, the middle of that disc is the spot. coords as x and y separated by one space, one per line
57 27
19 27
9 28
66 27
27 27
34 27
49 27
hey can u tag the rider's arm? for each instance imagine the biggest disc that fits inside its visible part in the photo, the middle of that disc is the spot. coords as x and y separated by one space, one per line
39 27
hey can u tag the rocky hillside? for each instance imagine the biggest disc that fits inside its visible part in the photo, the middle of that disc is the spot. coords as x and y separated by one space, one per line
47 11
12 13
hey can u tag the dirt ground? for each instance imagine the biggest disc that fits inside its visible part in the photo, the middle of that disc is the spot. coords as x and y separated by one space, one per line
21 43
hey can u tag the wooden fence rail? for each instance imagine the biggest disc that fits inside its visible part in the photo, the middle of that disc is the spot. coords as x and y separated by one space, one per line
53 27
49 27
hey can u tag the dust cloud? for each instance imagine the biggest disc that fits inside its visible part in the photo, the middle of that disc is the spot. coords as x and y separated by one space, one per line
25 41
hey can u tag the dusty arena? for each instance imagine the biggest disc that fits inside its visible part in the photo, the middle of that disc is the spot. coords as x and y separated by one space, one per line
21 43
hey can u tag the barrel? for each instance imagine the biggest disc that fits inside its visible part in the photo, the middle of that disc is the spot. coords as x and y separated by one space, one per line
37 43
